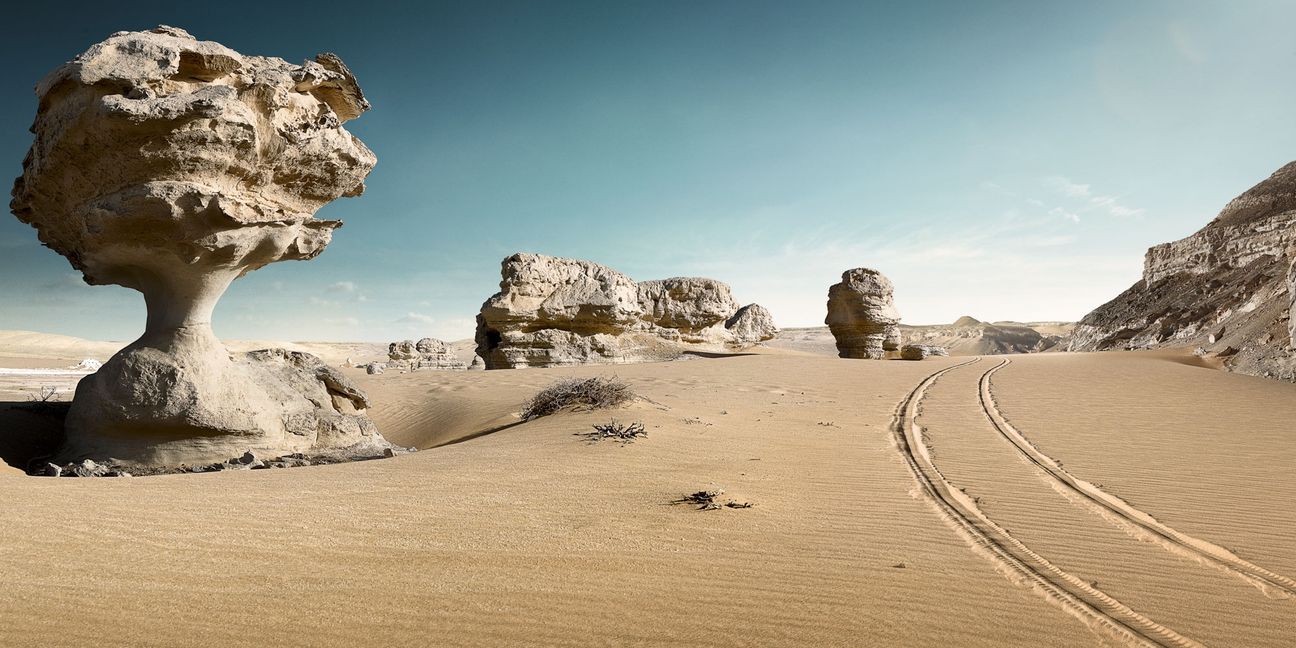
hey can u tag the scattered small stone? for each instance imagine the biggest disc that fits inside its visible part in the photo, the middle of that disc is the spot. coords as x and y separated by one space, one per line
247 459
52 470
899 566
389 453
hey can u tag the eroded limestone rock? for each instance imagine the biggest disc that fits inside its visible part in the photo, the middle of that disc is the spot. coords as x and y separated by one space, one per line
173 166
861 315
552 311
1226 288
752 324
921 351
427 353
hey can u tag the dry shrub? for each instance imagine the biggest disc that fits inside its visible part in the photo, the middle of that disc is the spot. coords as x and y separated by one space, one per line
580 393
615 431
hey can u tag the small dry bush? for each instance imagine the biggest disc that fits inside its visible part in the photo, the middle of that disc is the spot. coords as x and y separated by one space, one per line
580 393
615 431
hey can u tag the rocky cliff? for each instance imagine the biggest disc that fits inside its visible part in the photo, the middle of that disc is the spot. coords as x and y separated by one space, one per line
1227 289
552 311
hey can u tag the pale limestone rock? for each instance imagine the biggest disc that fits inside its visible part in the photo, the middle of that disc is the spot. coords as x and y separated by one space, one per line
427 353
752 324
174 166
921 351
553 312
861 315
1226 288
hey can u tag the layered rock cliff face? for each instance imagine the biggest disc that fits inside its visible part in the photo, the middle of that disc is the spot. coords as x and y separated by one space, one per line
174 166
1226 289
552 311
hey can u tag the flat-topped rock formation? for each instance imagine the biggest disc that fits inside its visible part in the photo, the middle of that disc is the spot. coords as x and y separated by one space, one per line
862 316
173 166
427 353
552 311
1227 289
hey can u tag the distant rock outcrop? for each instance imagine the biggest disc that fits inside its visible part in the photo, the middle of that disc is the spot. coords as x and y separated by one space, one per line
427 353
921 351
552 311
970 336
1226 288
174 166
861 315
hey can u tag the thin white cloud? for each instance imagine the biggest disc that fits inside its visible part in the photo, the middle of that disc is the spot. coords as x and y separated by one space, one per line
1068 215
342 287
416 318
1066 187
1126 212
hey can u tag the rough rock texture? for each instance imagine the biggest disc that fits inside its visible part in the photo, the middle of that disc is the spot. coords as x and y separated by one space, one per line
174 166
861 315
427 353
752 324
1226 288
552 311
921 351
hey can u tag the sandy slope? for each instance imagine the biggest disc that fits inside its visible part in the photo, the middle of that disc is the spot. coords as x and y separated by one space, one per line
530 536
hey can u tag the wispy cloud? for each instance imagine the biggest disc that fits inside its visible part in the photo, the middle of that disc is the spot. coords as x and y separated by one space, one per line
1066 187
1081 199
416 318
342 287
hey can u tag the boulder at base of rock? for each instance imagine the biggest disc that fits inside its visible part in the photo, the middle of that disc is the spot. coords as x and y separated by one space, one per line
921 351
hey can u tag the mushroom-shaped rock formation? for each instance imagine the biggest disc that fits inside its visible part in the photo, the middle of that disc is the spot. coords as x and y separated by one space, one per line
861 315
552 311
174 166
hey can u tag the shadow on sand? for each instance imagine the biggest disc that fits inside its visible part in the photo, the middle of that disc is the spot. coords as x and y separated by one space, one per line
709 354
30 432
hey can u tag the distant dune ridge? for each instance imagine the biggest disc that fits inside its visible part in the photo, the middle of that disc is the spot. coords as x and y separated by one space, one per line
1227 289
552 311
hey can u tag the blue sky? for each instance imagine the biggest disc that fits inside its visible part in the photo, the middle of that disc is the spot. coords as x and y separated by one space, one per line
1007 160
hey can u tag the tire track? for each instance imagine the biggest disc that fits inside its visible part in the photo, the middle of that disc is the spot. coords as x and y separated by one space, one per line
1091 605
1175 541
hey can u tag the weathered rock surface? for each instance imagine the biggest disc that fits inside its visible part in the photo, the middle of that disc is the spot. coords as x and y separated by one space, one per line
1226 288
752 324
552 311
921 351
174 166
862 316
427 353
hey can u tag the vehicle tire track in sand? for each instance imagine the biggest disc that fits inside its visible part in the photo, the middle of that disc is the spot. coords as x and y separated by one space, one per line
1091 605
1177 542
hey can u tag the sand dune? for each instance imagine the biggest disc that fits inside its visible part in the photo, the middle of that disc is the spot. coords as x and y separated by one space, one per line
531 536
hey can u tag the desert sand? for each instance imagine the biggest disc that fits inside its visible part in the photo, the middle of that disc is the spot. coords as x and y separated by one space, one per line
1127 498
